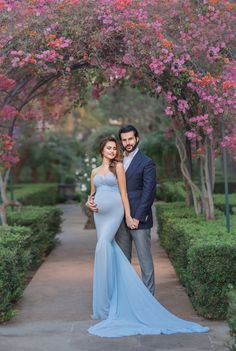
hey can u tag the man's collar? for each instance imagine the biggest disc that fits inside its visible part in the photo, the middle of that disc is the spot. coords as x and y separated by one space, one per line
131 154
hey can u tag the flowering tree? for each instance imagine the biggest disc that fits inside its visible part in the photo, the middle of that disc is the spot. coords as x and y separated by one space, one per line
203 92
46 109
181 49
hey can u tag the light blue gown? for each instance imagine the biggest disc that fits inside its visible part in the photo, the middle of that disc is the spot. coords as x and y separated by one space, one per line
120 299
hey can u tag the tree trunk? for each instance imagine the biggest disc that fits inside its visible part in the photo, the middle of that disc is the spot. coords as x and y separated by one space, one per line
206 185
188 193
3 216
202 197
196 192
5 201
34 175
3 186
209 182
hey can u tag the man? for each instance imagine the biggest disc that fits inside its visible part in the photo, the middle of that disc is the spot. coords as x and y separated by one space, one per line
141 187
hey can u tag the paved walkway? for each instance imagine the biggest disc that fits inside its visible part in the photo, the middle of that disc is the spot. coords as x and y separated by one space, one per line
54 312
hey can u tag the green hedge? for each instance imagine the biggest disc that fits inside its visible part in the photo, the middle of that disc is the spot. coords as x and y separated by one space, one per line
22 247
219 201
15 258
219 187
170 191
37 194
211 268
203 253
232 317
44 223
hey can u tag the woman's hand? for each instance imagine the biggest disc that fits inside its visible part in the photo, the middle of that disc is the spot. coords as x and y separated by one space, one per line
130 222
91 204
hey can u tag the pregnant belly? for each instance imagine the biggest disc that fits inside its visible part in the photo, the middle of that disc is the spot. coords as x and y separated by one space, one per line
108 202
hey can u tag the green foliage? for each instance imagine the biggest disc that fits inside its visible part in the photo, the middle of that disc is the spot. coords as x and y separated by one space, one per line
15 258
219 201
83 176
22 247
203 253
59 153
69 180
36 194
211 268
44 223
129 106
232 316
93 141
163 152
219 187
50 157
171 191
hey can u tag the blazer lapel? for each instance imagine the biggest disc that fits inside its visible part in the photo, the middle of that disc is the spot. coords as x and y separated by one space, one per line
134 164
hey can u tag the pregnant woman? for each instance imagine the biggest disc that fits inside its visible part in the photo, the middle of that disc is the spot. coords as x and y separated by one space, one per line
120 299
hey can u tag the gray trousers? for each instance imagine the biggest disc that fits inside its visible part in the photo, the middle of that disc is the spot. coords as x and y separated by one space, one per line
142 241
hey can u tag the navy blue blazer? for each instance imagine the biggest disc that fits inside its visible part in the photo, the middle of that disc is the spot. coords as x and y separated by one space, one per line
141 189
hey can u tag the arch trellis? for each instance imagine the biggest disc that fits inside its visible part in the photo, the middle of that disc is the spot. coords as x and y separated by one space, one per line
54 49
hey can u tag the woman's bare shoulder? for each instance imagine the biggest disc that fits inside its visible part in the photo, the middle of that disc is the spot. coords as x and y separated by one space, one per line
119 166
95 171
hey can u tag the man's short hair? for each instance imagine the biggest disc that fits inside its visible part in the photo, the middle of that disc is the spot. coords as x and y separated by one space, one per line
128 128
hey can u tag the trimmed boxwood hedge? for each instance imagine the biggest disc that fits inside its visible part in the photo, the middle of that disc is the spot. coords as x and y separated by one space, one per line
203 253
15 258
211 268
22 247
219 201
232 317
44 223
170 191
219 187
37 194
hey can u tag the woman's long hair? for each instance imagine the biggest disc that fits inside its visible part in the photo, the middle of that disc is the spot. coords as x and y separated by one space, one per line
118 158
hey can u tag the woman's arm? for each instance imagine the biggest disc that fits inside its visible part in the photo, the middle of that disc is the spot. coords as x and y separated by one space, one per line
123 191
90 202
93 188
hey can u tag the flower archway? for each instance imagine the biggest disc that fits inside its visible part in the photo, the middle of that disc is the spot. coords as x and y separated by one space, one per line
51 49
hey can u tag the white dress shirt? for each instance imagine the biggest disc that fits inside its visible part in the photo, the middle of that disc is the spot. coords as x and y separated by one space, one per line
128 158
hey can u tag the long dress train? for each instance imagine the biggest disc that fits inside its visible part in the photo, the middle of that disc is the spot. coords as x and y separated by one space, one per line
120 298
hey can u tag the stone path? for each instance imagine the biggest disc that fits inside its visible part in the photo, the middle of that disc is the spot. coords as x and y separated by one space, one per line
54 312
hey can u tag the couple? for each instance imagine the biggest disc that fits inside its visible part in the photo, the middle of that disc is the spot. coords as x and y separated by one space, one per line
122 194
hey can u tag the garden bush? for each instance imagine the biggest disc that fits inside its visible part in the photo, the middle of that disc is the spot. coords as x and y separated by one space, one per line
203 254
232 317
219 201
22 247
219 187
15 258
211 269
37 194
44 222
171 191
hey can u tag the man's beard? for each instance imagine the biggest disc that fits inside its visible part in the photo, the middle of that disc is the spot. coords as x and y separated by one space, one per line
131 150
